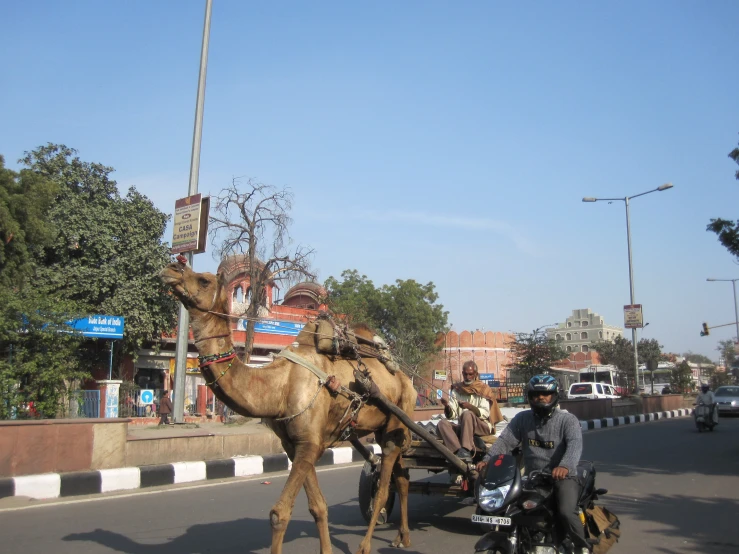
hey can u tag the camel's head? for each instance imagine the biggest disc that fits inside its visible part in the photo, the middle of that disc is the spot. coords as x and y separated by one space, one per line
200 291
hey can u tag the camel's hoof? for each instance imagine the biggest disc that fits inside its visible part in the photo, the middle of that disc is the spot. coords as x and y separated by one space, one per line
398 543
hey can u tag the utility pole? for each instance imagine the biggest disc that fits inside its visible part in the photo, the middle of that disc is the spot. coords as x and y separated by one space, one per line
183 323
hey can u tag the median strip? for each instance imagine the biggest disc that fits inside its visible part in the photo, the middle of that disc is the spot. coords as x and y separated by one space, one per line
58 485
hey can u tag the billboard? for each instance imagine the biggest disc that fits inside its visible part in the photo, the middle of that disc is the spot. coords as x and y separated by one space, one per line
190 227
633 317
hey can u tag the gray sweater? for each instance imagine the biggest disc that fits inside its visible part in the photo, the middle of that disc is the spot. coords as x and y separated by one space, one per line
546 443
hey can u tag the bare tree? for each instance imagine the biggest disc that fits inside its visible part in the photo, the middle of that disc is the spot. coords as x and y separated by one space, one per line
252 219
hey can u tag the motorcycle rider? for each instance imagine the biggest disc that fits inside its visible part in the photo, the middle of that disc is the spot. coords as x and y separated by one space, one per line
550 439
706 397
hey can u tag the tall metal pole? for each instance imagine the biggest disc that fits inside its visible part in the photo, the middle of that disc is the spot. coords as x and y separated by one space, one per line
183 323
631 290
736 311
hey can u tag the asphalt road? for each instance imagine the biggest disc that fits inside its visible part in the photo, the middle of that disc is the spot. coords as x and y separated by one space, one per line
675 491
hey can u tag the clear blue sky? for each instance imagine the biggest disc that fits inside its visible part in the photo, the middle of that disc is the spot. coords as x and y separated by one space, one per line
433 141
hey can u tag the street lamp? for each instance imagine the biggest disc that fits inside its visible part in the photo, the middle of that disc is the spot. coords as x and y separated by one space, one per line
626 200
736 311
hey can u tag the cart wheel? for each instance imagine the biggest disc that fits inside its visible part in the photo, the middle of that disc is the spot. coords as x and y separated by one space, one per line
368 481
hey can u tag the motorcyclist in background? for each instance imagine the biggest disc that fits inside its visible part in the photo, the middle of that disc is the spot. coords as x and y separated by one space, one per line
550 439
706 397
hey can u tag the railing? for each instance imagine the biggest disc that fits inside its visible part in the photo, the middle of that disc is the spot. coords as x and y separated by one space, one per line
131 403
84 403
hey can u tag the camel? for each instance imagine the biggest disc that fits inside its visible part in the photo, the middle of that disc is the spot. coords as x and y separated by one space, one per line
306 416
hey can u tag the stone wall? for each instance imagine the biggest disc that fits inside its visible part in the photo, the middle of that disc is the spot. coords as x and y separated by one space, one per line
49 446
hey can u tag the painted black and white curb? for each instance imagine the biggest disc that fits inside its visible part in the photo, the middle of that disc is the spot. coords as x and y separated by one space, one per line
630 420
56 485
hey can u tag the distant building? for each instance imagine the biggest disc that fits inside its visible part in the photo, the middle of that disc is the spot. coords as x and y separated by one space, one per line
582 330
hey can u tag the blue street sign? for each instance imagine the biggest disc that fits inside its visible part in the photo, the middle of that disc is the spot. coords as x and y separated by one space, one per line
100 326
487 376
438 393
147 396
273 327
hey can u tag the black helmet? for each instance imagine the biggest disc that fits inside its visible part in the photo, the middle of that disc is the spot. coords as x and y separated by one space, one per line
705 387
548 385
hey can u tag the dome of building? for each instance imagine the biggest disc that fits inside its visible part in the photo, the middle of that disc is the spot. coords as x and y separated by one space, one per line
235 265
305 295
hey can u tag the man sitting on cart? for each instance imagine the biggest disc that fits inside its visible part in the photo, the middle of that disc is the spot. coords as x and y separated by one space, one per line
471 403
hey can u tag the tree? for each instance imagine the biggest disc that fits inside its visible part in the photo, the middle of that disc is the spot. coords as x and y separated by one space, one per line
620 353
727 230
252 219
726 348
106 251
534 354
681 378
697 358
39 356
25 199
405 313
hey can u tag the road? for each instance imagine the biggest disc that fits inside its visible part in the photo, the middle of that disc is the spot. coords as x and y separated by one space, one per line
676 491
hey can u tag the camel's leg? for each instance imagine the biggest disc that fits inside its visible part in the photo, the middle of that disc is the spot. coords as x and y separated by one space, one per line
390 453
318 509
306 455
402 478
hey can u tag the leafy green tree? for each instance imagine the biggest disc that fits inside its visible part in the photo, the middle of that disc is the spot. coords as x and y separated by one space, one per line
25 199
727 230
726 348
697 358
405 313
681 378
620 353
106 251
40 356
534 354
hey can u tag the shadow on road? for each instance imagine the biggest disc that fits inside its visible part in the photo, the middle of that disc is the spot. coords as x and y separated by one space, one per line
704 525
253 535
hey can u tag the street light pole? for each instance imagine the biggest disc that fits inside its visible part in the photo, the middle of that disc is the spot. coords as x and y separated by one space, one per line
631 294
626 200
736 310
183 321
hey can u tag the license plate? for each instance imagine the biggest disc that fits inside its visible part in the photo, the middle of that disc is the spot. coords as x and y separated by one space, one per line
491 520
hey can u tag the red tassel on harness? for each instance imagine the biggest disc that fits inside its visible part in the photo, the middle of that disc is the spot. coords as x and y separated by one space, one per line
180 258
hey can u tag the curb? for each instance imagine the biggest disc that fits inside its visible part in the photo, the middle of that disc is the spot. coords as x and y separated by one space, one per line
57 485
630 420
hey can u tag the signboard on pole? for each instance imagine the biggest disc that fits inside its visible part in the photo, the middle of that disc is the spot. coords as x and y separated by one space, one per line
273 327
633 317
440 374
190 224
100 326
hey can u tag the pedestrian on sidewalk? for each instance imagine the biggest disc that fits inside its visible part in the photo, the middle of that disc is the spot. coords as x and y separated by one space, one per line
165 408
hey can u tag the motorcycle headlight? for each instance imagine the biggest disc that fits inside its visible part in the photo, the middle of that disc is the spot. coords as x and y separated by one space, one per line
490 500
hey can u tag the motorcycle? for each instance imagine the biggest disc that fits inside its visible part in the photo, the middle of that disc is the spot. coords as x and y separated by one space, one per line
703 415
520 512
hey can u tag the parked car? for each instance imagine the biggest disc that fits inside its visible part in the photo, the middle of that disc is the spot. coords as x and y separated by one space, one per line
591 391
727 398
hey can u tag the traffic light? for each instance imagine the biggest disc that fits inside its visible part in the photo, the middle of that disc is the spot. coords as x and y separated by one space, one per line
705 331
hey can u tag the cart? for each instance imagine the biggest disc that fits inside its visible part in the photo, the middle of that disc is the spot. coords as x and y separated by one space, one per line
427 451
